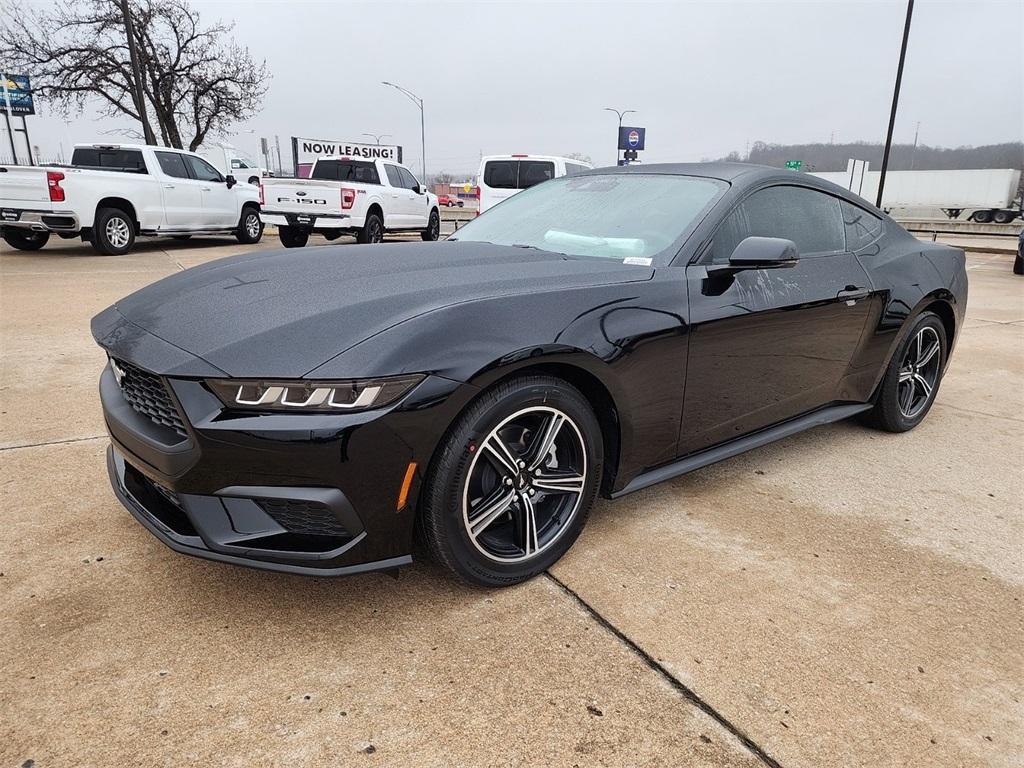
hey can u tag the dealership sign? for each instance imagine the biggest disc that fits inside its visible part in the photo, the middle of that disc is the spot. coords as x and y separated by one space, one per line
17 93
306 151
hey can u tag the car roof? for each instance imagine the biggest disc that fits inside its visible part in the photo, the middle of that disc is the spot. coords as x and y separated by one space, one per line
526 156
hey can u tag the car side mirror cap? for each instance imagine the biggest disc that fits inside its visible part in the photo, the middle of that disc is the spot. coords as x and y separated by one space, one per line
764 253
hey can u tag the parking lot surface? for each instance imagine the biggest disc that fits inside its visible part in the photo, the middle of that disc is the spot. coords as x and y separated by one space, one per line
843 597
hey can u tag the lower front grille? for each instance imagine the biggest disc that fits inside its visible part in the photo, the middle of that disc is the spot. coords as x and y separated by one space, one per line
147 394
306 518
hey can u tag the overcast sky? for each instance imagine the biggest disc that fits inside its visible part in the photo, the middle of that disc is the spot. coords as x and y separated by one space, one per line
705 78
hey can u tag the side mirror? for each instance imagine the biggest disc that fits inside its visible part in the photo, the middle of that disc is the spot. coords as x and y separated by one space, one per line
420 189
230 181
761 253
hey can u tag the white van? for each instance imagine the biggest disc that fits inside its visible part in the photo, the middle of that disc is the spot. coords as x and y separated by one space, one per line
229 161
501 176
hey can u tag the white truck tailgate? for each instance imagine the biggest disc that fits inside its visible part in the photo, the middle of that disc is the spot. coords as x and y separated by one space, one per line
21 185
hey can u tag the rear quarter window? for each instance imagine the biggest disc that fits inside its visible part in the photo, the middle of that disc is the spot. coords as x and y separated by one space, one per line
862 227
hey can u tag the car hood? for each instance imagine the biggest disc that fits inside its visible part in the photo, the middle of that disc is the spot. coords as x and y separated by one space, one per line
284 313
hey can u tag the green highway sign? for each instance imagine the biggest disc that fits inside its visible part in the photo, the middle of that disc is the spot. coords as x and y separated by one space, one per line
794 165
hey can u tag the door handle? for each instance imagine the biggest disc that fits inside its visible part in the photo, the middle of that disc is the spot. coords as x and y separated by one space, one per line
205 189
168 186
852 293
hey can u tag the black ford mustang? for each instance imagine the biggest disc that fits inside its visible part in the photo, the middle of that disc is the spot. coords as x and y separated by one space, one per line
310 411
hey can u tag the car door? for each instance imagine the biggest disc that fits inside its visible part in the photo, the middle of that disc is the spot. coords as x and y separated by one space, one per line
182 195
397 214
767 345
220 204
417 201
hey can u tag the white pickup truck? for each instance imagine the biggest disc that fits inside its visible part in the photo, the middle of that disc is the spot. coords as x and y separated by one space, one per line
345 195
113 192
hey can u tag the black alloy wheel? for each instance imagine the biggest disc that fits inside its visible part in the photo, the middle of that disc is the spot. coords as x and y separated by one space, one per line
433 230
25 239
912 379
513 485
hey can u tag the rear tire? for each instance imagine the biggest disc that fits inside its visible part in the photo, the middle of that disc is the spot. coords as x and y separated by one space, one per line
477 509
250 226
911 381
1003 217
982 217
113 232
372 231
25 240
292 237
433 230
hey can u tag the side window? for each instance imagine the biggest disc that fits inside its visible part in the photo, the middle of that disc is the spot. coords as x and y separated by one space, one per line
202 170
394 177
172 164
811 219
501 174
532 172
408 180
862 228
729 234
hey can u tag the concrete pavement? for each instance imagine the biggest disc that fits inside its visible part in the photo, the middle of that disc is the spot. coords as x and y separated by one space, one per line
843 597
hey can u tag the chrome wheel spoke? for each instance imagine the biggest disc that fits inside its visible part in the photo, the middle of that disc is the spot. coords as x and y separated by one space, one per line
906 374
569 482
490 510
542 447
528 527
922 383
500 454
928 354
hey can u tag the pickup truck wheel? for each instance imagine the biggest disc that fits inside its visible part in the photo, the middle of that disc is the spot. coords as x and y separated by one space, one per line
292 237
25 240
113 232
250 228
433 230
372 231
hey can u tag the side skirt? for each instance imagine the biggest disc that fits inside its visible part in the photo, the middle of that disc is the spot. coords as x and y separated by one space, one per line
742 445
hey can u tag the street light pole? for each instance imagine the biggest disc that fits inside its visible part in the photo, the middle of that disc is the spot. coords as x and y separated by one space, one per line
140 97
423 135
895 102
376 136
620 115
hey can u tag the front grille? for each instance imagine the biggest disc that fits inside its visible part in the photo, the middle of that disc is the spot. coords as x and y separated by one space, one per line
147 394
307 518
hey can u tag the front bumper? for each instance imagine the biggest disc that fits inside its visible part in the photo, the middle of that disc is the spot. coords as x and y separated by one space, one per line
313 494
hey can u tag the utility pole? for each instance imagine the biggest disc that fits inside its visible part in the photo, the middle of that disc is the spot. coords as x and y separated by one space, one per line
140 98
423 134
913 152
620 115
895 103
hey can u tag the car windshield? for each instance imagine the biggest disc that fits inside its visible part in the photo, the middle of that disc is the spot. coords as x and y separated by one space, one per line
615 216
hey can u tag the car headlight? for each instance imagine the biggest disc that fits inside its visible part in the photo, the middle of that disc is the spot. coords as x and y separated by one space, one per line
312 396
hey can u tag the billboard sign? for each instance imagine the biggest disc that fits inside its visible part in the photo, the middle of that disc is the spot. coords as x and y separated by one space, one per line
306 151
18 93
631 138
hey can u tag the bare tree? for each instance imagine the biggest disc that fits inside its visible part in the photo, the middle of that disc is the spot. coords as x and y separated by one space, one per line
443 178
196 80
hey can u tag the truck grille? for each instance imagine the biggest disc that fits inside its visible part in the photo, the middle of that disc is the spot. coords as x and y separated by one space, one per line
147 394
307 518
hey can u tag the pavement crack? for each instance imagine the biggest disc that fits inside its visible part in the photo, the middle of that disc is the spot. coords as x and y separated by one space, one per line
52 442
687 693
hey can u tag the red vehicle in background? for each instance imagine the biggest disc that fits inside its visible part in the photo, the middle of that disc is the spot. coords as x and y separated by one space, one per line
449 201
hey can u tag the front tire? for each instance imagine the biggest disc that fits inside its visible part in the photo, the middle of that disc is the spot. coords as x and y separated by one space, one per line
250 227
513 482
912 379
1018 265
25 240
292 237
113 232
433 230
